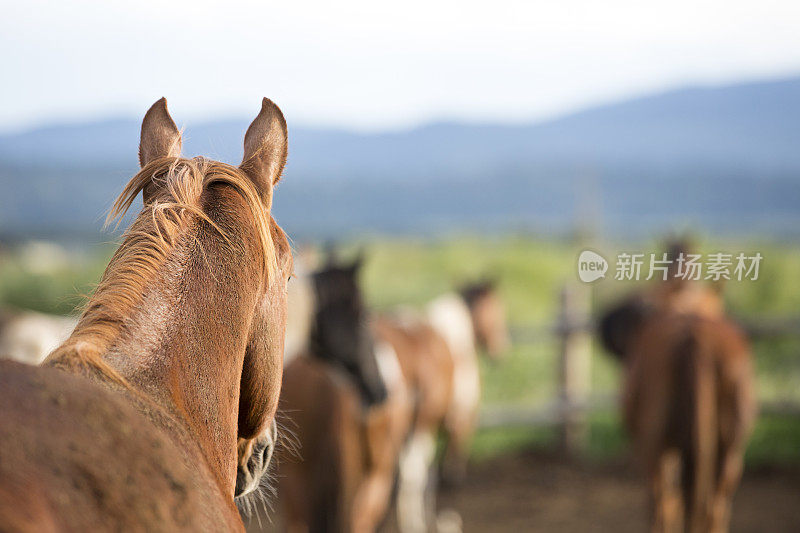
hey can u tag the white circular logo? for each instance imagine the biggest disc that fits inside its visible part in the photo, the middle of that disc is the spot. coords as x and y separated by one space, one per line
591 266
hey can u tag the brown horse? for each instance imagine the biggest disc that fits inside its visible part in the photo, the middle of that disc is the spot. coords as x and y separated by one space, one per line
490 335
135 421
335 399
687 400
427 374
438 355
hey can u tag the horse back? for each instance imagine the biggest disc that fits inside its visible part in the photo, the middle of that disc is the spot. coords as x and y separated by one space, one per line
76 456
681 361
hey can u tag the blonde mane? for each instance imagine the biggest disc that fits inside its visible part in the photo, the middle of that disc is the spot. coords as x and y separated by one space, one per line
147 244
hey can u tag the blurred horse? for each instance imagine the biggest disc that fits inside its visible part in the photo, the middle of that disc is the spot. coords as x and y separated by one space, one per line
345 401
150 416
687 399
484 329
28 336
438 355
300 311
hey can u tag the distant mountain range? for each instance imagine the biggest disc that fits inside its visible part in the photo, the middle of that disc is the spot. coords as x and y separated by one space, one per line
721 159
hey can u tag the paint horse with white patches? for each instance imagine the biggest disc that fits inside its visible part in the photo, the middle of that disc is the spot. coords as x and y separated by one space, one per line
438 355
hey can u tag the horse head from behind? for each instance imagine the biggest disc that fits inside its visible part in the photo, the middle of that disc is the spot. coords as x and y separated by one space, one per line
177 356
341 333
677 294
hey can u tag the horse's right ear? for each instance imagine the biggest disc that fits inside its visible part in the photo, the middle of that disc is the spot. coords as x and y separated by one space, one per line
265 148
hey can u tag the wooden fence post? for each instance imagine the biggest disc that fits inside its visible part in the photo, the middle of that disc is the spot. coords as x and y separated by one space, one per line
574 365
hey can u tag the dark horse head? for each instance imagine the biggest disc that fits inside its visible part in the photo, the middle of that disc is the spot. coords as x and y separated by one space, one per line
341 334
619 325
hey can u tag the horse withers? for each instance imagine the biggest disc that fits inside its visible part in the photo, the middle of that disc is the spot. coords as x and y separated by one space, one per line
687 400
143 417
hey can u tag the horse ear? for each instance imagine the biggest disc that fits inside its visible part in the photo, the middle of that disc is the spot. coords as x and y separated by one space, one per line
160 135
265 148
160 138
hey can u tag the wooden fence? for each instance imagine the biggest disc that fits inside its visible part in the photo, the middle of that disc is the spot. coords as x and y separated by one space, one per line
574 402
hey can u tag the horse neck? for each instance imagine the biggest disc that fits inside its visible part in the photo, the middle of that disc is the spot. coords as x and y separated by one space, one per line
184 348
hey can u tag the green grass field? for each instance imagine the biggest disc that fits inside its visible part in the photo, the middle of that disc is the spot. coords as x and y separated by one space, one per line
531 272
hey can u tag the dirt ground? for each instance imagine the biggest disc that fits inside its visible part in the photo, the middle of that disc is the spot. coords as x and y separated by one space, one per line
538 492
535 491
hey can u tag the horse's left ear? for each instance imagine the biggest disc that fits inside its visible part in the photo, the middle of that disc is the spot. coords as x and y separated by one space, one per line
265 148
160 136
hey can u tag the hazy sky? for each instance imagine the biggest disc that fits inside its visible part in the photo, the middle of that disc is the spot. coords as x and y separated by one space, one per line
372 64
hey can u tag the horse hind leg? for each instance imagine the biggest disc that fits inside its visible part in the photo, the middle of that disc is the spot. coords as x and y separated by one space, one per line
667 502
371 501
456 453
416 459
460 422
702 456
730 475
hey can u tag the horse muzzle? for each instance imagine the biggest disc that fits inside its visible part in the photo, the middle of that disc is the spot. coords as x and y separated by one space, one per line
252 469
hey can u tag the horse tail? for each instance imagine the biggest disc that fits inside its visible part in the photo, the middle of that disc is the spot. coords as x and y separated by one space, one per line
696 414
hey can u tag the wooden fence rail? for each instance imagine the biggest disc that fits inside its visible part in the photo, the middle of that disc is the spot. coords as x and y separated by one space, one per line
552 413
572 333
